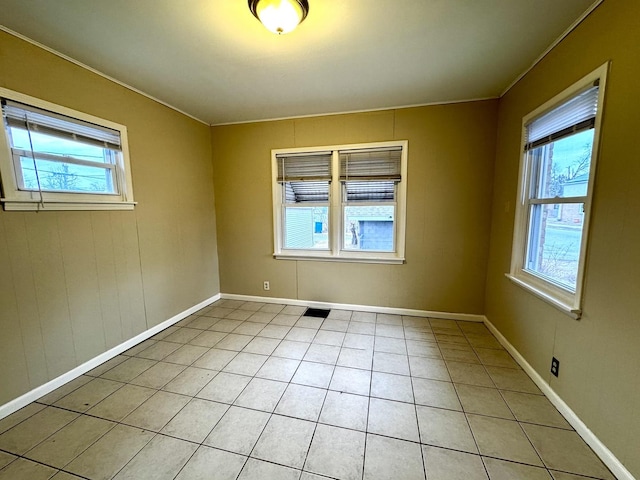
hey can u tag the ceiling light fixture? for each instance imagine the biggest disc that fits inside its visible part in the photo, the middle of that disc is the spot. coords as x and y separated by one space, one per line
280 16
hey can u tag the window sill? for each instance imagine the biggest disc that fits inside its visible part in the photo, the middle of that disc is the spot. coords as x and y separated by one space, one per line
564 307
344 259
20 206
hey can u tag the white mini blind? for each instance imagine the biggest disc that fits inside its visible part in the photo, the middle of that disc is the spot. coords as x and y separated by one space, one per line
379 164
23 116
576 115
305 177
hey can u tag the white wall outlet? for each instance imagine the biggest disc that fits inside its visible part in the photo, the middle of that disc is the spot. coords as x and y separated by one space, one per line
266 286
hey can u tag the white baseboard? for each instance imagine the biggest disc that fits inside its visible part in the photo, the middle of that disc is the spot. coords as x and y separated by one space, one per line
36 393
607 457
469 317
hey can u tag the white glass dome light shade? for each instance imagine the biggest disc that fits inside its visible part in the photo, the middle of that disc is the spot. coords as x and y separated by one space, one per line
279 16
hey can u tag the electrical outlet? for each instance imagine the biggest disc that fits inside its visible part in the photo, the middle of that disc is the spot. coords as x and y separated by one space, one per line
555 366
266 286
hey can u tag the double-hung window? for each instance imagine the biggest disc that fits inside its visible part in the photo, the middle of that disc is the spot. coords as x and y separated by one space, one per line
555 193
55 158
341 203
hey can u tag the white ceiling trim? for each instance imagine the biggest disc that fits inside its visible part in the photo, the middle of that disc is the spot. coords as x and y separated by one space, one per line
553 45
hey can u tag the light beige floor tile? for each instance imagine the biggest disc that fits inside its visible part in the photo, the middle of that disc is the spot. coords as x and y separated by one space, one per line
66 389
186 354
196 420
564 450
219 311
238 430
416 348
88 395
368 317
34 429
182 335
129 369
496 358
411 321
23 469
322 354
483 341
443 324
340 314
335 325
435 393
224 388
249 328
208 338
391 387
388 319
503 439
443 464
158 350
355 358
291 349
299 334
276 308
534 409
203 323
103 459
245 364
448 338
6 459
251 306
313 374
445 428
235 342
512 379
393 419
390 345
285 441
215 359
158 375
262 345
109 364
164 333
225 325
281 369
156 412
274 331
345 410
261 394
502 470
262 317
453 354
351 380
162 458
393 331
312 476
391 459
65 476
284 320
470 374
431 368
190 381
567 476
473 328
483 401
359 341
212 464
309 322
239 315
259 470
19 416
293 310
68 442
416 335
122 402
301 401
336 452
362 328
391 363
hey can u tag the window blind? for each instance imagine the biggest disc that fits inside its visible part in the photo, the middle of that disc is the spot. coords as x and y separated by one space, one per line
35 119
576 115
370 175
305 177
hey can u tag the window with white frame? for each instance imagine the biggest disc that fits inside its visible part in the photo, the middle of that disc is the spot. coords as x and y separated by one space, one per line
342 203
55 158
555 193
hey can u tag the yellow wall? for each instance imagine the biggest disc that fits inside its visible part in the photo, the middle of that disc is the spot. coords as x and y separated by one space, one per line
599 354
74 284
450 168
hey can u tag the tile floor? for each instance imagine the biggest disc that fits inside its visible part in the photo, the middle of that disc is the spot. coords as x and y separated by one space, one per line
245 390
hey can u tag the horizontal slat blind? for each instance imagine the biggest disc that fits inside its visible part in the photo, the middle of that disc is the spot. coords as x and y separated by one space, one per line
19 115
380 164
304 168
574 116
370 191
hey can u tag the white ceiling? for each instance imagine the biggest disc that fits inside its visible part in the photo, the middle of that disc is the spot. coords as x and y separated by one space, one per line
213 60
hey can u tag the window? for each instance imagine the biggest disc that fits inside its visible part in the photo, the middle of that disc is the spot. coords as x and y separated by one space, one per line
342 203
55 158
556 184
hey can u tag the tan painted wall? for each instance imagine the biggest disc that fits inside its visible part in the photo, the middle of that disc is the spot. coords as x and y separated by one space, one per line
448 208
599 354
74 284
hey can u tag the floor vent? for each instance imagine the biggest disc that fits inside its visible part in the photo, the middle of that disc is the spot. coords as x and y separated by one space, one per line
317 312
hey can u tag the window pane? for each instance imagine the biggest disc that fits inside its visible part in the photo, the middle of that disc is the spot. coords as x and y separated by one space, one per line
561 168
555 235
67 177
306 227
369 227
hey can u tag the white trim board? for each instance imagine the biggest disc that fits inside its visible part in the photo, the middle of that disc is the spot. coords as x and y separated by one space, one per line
42 390
469 317
600 449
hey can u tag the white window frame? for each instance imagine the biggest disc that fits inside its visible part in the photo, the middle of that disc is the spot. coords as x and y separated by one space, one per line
335 252
565 300
14 198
